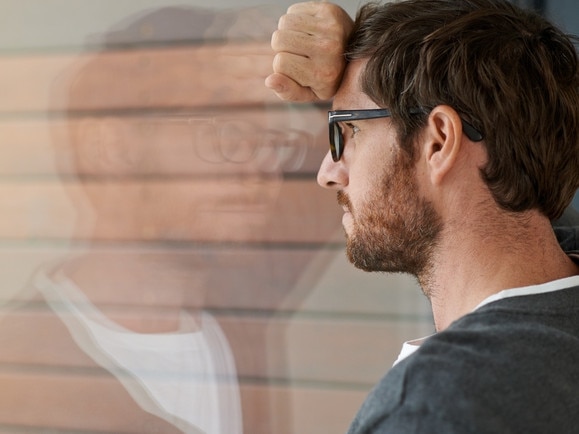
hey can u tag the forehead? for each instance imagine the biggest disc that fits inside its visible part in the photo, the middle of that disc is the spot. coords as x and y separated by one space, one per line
349 94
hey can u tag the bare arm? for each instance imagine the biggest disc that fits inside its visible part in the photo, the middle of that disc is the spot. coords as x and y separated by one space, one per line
309 46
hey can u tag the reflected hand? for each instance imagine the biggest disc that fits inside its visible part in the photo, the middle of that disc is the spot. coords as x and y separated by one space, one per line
309 46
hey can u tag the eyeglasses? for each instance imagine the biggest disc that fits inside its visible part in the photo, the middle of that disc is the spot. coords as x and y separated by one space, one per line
337 138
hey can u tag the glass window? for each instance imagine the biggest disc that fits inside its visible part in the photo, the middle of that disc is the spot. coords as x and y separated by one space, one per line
169 263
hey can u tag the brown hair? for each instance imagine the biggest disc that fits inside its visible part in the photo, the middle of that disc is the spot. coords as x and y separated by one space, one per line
508 72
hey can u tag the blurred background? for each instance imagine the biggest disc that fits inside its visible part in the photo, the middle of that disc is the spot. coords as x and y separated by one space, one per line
168 262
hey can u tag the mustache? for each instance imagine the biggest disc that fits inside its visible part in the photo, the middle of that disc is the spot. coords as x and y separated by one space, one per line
344 200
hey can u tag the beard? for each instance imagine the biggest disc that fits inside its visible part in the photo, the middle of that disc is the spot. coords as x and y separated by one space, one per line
395 230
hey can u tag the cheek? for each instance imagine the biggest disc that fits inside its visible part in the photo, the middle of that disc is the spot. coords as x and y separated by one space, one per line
364 186
369 167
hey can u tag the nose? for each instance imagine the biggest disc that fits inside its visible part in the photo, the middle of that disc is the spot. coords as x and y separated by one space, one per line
332 174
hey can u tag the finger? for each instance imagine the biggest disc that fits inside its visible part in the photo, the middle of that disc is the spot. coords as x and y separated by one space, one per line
288 90
320 9
302 44
297 67
292 42
306 8
301 23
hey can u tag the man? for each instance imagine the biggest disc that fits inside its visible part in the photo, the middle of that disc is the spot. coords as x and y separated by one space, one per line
454 143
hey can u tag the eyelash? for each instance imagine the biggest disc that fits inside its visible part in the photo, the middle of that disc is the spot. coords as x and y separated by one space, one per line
352 127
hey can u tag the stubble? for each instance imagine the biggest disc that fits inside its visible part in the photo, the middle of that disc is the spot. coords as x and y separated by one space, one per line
395 230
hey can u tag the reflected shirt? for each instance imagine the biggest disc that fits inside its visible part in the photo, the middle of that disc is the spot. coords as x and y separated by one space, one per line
187 378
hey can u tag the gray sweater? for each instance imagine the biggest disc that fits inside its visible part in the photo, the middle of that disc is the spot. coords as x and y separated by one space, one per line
511 366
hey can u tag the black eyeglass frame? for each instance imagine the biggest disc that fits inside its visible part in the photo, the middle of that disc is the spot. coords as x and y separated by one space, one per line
337 138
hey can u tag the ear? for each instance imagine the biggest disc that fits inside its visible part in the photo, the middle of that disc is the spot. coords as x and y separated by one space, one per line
442 142
102 146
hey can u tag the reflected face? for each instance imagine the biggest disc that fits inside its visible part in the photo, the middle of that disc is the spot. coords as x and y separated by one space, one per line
181 144
188 176
389 225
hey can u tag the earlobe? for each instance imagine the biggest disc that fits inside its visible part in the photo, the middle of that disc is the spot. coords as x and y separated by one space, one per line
442 144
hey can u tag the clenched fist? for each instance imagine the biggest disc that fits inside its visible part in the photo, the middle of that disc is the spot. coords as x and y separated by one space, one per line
309 45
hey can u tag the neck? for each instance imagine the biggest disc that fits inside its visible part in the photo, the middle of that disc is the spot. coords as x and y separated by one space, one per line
473 261
143 292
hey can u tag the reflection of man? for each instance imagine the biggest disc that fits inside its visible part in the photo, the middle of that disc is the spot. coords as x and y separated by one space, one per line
171 183
454 141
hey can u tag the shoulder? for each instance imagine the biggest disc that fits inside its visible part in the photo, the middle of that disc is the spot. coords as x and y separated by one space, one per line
496 370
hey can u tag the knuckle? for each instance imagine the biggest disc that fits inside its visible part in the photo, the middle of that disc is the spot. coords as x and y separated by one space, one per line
275 40
283 22
281 64
335 31
277 62
330 11
293 8
300 6
331 47
326 8
280 40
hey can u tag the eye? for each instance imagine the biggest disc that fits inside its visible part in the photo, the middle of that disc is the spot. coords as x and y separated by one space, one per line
353 128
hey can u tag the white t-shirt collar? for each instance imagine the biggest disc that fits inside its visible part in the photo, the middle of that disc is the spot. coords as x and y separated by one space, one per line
410 347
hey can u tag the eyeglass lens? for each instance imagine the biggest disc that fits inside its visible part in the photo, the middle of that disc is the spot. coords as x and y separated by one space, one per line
336 141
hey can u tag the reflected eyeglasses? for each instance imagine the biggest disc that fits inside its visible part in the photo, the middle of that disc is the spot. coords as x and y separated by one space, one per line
219 139
337 138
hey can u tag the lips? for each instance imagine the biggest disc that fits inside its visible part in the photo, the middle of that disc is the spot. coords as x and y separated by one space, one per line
344 201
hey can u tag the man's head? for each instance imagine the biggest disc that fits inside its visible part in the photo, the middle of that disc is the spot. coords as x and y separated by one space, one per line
492 69
389 225
508 72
